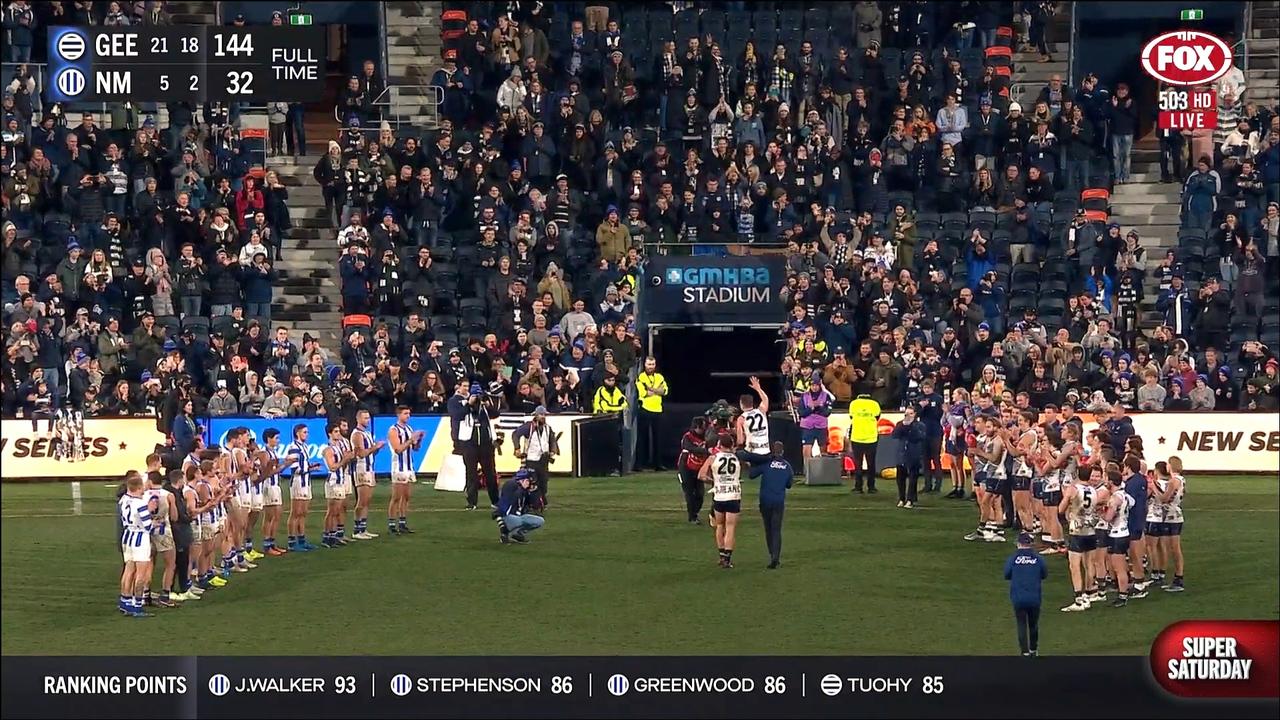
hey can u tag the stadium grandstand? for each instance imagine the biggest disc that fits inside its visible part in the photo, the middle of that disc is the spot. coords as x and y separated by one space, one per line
943 190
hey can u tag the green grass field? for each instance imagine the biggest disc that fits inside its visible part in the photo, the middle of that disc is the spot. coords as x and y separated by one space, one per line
617 571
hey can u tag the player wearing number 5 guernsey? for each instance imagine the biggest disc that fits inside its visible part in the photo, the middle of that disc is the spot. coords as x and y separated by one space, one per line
1080 504
723 471
404 440
753 425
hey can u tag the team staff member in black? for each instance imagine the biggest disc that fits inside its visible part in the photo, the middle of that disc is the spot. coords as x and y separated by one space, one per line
693 453
909 433
775 479
183 537
535 444
930 415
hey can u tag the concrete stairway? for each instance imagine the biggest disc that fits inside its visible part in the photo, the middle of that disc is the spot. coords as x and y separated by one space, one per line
413 54
1263 78
1030 75
1152 208
308 294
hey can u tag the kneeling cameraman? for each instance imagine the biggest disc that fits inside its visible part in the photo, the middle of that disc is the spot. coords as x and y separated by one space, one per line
515 520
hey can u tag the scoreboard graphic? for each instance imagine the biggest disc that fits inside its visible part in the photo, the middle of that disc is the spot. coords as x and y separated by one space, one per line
154 63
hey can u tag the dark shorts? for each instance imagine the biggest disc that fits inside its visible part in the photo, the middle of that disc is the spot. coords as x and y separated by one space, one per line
1082 543
1119 546
1051 499
1136 527
1037 489
994 484
1156 529
1104 540
1173 529
956 448
1021 484
727 506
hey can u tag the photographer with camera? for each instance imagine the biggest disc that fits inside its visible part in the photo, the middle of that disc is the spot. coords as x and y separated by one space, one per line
536 445
471 414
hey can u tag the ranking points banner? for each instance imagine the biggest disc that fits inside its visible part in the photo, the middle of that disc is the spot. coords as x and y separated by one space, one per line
589 687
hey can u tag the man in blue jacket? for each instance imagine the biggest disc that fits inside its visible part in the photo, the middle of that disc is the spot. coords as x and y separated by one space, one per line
775 479
1026 570
910 434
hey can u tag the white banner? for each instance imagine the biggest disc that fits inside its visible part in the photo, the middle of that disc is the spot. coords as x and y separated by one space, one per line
1213 441
1206 441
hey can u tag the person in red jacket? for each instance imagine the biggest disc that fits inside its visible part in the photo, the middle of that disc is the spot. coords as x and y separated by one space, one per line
248 201
693 453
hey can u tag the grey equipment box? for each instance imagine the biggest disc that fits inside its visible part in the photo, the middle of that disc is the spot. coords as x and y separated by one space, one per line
823 470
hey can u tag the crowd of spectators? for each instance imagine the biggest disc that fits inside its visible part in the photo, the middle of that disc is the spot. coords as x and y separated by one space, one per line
934 230
136 255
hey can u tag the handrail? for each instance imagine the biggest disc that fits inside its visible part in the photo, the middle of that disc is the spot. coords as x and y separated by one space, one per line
1243 57
384 53
377 102
760 243
385 100
1071 45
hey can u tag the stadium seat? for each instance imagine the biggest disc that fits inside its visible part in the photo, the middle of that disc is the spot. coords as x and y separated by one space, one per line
713 22
197 324
660 25
170 324
998 56
791 18
818 18
686 25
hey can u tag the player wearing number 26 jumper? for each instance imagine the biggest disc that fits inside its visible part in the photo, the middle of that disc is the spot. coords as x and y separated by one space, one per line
723 470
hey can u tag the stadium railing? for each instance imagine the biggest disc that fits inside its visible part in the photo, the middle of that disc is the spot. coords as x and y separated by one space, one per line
715 249
432 97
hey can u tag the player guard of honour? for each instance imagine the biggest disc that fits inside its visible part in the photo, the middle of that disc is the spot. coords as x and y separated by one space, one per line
1115 521
217 499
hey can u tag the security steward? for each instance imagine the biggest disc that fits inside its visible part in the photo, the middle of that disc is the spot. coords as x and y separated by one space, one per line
775 479
535 444
609 398
864 435
651 387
